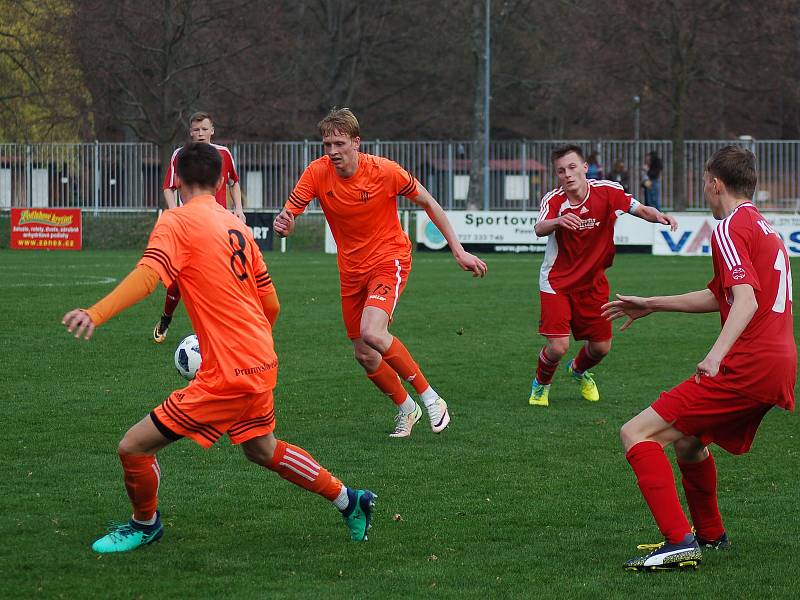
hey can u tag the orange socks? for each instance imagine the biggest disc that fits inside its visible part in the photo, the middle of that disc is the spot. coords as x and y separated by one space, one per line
398 357
387 381
297 466
142 476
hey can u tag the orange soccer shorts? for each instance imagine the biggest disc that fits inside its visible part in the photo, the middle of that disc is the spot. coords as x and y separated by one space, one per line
380 287
204 415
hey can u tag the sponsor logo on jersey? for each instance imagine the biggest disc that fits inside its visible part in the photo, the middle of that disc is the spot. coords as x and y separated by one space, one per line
257 369
589 224
584 210
738 273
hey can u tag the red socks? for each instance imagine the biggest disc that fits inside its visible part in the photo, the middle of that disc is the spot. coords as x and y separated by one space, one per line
142 476
700 485
297 466
399 358
546 368
655 479
585 360
172 299
389 383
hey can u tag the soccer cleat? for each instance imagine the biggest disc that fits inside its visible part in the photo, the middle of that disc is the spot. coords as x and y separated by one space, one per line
539 394
589 389
721 543
404 422
439 415
124 537
358 514
685 555
161 329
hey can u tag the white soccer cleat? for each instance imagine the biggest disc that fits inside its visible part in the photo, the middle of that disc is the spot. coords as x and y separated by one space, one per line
404 422
439 415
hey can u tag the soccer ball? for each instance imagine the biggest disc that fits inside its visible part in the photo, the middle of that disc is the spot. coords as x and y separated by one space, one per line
187 357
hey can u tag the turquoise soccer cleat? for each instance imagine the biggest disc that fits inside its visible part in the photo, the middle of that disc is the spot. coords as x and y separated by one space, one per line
358 514
124 537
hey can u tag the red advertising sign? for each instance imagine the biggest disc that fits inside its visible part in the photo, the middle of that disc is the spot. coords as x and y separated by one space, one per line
46 228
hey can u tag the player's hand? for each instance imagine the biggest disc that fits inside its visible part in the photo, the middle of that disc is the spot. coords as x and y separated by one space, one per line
668 220
632 307
569 221
240 213
283 224
708 367
470 262
79 321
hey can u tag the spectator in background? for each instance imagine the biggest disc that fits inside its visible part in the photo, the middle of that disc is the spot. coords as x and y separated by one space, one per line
651 180
595 168
619 174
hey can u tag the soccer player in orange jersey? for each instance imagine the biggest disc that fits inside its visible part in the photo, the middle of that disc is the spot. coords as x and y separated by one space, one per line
358 194
201 129
232 305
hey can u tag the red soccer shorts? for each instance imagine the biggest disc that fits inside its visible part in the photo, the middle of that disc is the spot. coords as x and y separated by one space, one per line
712 413
579 312
204 415
380 287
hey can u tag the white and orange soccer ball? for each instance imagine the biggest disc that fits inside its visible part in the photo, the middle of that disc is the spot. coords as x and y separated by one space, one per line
187 357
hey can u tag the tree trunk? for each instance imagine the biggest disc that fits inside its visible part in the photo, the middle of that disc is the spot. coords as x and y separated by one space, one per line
475 194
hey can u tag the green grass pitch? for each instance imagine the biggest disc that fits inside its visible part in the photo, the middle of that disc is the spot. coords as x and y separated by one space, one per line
512 501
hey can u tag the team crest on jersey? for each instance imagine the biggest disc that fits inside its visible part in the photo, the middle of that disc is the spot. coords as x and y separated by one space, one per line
365 197
329 194
738 273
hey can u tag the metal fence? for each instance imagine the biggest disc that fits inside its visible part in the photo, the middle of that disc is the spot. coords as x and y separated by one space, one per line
103 177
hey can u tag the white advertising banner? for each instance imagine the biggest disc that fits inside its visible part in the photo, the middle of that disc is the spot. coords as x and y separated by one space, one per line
693 237
513 231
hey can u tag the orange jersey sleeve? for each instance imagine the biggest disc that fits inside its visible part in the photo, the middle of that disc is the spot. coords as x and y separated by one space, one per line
305 190
404 181
139 284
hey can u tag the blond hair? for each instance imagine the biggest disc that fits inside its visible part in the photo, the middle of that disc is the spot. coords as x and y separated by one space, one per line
339 120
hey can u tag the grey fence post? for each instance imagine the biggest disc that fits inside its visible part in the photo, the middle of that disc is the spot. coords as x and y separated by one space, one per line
28 176
450 176
96 198
524 157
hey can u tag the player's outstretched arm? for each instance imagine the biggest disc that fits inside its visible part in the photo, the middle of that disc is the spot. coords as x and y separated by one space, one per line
283 224
169 198
648 213
636 307
465 260
139 284
742 310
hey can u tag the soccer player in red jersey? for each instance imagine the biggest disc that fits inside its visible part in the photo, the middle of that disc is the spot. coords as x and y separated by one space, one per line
232 305
750 368
358 194
579 219
201 129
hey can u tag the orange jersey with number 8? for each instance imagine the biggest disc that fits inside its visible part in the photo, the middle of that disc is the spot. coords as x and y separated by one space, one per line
222 275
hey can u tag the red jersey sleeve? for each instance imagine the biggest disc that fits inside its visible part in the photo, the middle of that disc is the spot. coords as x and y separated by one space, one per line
731 244
403 181
164 253
231 174
169 178
620 201
548 207
304 192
